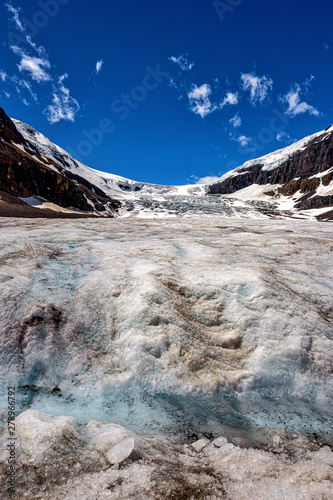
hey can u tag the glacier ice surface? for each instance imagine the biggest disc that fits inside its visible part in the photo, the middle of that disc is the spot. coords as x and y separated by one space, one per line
189 329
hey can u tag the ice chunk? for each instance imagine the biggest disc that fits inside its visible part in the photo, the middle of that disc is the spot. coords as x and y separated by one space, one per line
103 437
200 445
121 451
276 439
220 441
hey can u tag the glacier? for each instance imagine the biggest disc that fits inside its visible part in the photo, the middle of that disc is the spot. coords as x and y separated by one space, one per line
136 338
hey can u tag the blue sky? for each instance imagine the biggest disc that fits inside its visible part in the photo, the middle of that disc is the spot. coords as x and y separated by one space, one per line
168 92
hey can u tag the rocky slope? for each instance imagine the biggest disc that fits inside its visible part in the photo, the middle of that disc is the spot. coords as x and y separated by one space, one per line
26 173
37 174
40 179
302 172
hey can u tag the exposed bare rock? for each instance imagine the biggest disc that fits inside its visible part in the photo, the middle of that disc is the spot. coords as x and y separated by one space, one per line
297 168
24 172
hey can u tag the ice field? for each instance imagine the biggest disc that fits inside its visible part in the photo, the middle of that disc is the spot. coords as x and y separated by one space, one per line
176 330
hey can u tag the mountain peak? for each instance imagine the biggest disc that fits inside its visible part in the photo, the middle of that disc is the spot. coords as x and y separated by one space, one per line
296 178
302 172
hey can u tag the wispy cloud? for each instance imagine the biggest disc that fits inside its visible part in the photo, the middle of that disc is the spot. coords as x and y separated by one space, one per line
183 62
236 121
308 82
295 105
243 140
23 84
3 75
16 16
200 97
38 48
36 66
325 47
20 85
181 85
258 86
63 107
200 103
285 138
172 83
99 65
231 99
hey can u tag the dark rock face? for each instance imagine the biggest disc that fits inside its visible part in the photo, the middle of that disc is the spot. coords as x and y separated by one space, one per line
23 173
315 202
8 131
24 177
11 206
317 157
326 179
304 185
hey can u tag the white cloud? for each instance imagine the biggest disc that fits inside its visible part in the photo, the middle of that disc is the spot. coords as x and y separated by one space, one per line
295 105
236 121
7 94
25 85
16 17
20 85
172 83
35 66
230 98
243 140
15 11
179 85
209 179
308 82
182 62
202 92
284 137
63 107
199 98
259 87
99 65
39 49
3 75
62 78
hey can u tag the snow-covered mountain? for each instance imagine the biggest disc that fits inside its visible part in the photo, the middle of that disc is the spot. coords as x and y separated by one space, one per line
109 183
298 176
37 174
